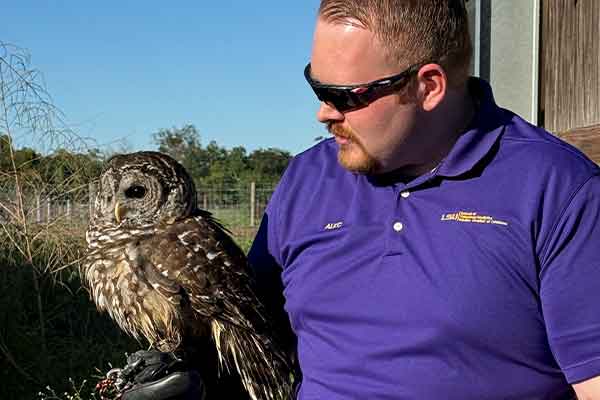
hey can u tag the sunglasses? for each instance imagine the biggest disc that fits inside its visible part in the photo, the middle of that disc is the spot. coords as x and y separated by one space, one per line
349 97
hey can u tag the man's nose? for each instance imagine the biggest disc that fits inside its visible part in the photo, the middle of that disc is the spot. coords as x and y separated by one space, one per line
328 113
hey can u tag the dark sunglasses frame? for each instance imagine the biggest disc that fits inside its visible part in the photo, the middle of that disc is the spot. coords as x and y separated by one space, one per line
349 97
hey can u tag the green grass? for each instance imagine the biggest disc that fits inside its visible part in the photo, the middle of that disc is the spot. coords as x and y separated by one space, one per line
238 223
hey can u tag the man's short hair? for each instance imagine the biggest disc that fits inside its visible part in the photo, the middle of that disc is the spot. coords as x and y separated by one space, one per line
412 31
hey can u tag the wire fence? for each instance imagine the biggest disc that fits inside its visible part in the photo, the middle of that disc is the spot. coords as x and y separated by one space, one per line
239 209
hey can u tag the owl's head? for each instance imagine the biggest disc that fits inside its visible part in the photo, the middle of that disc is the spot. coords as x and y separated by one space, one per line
143 188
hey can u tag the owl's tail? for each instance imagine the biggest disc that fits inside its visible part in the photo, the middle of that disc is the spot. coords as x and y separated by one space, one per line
263 367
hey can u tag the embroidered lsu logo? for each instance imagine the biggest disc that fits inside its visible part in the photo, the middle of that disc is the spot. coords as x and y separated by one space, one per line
472 217
332 226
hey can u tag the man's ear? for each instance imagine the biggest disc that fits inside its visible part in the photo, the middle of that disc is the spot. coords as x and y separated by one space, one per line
432 86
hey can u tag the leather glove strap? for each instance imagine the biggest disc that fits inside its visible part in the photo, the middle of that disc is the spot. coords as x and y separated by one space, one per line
176 386
153 375
145 366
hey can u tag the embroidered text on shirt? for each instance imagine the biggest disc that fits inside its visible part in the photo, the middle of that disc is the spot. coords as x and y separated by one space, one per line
331 226
473 217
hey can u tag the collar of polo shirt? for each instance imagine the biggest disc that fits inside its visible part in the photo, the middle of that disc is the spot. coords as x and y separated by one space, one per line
481 136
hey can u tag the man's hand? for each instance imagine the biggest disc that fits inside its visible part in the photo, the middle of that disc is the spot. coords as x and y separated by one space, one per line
152 375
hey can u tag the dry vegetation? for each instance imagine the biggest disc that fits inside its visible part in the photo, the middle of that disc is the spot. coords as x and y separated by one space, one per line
51 337
53 342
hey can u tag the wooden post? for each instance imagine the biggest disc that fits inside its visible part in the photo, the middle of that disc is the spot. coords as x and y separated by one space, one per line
204 201
69 209
252 203
48 210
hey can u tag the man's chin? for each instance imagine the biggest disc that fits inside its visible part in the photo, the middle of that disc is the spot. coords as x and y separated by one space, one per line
356 161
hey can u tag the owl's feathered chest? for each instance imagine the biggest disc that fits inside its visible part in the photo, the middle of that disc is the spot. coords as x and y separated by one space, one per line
117 272
114 252
165 281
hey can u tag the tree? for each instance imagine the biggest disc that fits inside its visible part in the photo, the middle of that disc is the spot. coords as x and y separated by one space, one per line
183 144
177 142
214 165
268 165
23 158
69 171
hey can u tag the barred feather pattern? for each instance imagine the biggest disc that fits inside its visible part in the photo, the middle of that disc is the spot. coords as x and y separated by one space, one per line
255 362
175 274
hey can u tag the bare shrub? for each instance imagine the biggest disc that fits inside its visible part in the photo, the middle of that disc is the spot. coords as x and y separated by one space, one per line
48 327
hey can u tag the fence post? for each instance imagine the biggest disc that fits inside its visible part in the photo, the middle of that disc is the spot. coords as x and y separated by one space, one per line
91 198
204 201
252 202
69 209
48 209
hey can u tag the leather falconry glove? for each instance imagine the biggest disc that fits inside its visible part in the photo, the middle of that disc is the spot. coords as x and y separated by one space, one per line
153 375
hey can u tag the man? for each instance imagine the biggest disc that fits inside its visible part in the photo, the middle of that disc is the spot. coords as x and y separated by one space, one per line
439 247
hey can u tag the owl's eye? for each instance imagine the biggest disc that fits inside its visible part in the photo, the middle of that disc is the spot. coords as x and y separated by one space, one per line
135 192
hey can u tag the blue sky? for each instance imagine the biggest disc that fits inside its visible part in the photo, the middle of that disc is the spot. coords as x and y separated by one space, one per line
123 70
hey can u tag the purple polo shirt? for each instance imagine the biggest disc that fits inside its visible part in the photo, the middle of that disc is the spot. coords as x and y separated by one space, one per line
479 280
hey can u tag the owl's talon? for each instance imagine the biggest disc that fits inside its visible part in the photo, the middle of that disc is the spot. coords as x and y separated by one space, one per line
113 373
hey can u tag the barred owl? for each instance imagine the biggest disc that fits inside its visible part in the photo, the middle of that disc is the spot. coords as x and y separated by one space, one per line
167 271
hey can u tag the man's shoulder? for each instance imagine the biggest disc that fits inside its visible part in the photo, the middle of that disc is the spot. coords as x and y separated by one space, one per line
535 148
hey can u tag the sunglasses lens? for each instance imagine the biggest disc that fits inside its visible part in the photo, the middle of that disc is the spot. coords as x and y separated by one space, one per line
335 98
356 96
340 99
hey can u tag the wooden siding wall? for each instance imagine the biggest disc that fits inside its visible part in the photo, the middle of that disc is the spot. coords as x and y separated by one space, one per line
570 64
586 140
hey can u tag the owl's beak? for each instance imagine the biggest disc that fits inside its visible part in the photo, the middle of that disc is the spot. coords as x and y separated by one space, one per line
119 212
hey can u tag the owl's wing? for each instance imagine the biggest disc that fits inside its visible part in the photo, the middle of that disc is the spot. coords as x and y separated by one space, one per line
202 261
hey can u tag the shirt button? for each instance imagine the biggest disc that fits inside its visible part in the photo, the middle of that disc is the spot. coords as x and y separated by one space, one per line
405 194
398 226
